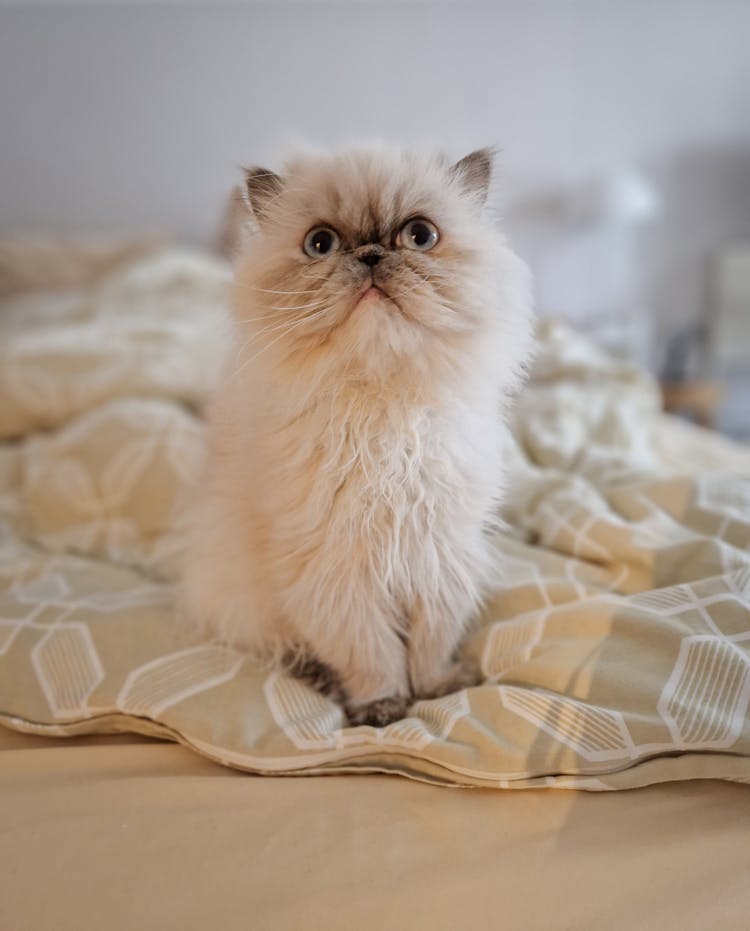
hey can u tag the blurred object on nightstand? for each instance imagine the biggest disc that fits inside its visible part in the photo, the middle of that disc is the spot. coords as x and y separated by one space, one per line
698 400
694 396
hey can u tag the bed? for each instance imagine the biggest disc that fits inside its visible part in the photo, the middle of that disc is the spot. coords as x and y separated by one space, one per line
126 832
614 649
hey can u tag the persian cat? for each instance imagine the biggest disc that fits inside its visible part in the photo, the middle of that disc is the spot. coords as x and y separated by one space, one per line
355 443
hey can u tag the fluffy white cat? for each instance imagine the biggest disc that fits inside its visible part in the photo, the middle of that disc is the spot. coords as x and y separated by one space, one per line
355 443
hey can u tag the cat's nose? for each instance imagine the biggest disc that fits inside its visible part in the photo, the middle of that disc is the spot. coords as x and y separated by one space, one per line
371 255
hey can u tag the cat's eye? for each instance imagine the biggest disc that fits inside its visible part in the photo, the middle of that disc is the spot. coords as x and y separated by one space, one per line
418 234
320 241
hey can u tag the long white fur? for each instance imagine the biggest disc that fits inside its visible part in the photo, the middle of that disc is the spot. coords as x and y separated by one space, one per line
355 450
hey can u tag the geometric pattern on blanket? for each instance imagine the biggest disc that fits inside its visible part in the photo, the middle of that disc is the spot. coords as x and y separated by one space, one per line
615 646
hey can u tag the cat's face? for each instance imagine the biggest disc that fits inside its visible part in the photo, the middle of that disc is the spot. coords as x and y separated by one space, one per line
370 258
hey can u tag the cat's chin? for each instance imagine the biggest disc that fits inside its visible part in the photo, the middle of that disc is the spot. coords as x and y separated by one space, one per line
376 335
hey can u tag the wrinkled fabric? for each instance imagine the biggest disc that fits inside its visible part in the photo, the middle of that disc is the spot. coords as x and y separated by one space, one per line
615 645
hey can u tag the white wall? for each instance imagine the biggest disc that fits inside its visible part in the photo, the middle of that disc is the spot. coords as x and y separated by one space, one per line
125 117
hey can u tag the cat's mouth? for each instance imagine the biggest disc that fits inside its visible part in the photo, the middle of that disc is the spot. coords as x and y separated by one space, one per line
373 293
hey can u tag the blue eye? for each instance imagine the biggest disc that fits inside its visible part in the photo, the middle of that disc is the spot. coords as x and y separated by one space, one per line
420 235
320 241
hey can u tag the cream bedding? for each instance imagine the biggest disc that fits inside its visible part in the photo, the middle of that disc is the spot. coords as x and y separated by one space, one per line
616 645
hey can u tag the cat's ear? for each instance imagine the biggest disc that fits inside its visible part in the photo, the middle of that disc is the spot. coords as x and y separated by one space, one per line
262 187
474 173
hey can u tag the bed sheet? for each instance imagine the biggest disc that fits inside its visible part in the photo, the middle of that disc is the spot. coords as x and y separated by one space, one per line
614 645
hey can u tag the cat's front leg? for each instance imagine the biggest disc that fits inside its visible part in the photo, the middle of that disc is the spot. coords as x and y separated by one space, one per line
355 636
323 678
376 681
434 636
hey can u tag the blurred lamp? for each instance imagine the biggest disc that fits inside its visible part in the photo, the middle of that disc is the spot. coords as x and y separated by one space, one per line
622 199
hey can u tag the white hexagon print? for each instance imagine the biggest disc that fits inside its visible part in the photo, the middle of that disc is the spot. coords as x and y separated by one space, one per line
313 722
433 719
441 714
309 719
155 686
510 643
596 734
8 633
68 668
706 697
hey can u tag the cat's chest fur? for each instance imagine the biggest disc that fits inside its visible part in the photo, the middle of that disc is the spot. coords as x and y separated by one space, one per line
402 488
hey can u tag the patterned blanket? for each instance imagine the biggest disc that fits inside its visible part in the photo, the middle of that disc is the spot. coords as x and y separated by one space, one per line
615 646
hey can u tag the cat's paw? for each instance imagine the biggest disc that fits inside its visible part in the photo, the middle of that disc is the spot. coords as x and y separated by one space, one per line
380 712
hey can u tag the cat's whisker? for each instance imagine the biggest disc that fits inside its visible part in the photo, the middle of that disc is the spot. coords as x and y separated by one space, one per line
256 319
283 325
260 352
407 291
275 315
285 329
283 307
414 287
319 303
281 320
248 287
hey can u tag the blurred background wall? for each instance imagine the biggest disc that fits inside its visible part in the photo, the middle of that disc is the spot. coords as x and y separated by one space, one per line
130 117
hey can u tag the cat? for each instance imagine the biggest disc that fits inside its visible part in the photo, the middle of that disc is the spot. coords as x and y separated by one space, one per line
381 323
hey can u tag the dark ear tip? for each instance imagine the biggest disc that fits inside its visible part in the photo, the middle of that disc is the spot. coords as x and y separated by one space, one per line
480 159
253 172
485 154
474 171
261 179
261 186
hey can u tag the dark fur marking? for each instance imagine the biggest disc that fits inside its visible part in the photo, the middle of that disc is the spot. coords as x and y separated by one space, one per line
474 172
262 187
379 713
316 674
